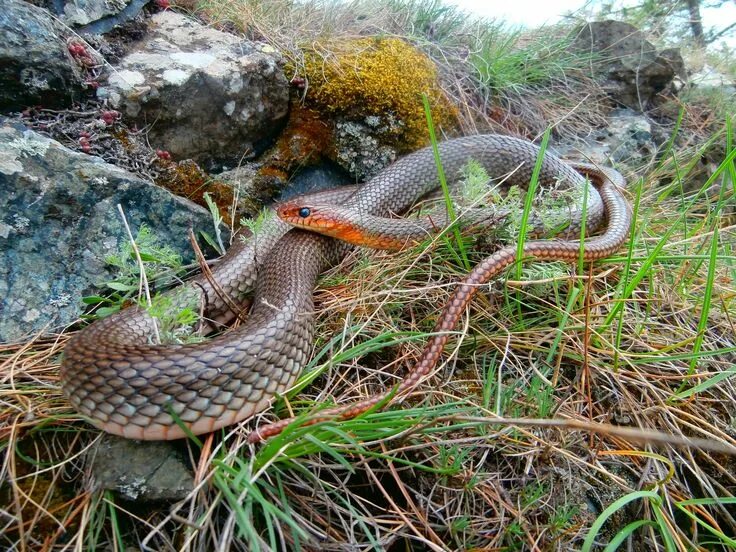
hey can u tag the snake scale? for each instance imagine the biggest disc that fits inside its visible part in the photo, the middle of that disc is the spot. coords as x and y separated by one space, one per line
130 387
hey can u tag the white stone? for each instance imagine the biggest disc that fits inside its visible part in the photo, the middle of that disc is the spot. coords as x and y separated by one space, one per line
198 60
126 80
175 76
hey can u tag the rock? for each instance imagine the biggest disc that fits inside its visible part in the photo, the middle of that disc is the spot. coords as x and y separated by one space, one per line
82 12
248 196
95 17
360 147
36 66
628 140
314 179
676 61
138 470
204 94
58 222
680 80
709 78
629 67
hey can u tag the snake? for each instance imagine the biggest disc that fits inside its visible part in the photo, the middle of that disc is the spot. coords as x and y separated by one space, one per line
124 384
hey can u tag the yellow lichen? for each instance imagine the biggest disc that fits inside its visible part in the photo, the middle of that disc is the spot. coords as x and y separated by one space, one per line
378 76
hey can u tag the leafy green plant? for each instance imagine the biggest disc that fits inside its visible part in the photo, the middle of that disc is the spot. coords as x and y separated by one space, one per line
161 263
176 322
217 221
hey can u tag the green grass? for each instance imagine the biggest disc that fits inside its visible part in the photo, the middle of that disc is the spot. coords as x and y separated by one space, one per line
452 216
507 63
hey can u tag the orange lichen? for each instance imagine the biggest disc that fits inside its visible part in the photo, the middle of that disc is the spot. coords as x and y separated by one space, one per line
274 172
363 77
303 142
188 180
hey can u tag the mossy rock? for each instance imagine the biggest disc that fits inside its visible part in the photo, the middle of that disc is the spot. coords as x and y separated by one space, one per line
363 77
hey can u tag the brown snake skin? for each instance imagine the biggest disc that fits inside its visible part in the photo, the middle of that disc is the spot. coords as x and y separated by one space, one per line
129 387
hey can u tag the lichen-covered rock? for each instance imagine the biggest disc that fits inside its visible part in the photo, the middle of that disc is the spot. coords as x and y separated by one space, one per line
359 146
363 107
628 66
628 140
202 94
36 66
187 179
307 140
247 197
82 12
139 471
58 222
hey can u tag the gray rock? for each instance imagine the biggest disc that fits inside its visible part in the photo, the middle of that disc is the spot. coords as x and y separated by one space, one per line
314 179
58 222
629 67
82 12
139 471
676 61
709 78
628 140
240 179
96 17
361 146
35 64
203 94
630 137
249 192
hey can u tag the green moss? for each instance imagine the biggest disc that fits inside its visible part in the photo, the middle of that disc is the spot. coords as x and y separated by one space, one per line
363 77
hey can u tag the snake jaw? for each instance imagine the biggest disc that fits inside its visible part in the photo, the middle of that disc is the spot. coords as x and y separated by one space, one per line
328 221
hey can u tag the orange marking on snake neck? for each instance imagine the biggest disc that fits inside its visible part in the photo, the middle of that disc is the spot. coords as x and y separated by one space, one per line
348 232
351 234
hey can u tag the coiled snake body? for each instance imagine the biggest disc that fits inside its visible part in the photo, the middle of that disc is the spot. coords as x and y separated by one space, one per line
131 388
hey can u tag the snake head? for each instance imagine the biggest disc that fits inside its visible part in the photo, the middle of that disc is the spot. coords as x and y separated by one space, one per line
328 220
313 217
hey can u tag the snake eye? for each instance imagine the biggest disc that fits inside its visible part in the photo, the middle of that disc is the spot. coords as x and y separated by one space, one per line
304 212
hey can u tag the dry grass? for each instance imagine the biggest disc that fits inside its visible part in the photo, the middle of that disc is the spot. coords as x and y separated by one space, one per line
557 397
502 79
560 394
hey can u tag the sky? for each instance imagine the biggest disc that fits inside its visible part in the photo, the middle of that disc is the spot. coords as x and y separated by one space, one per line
533 13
